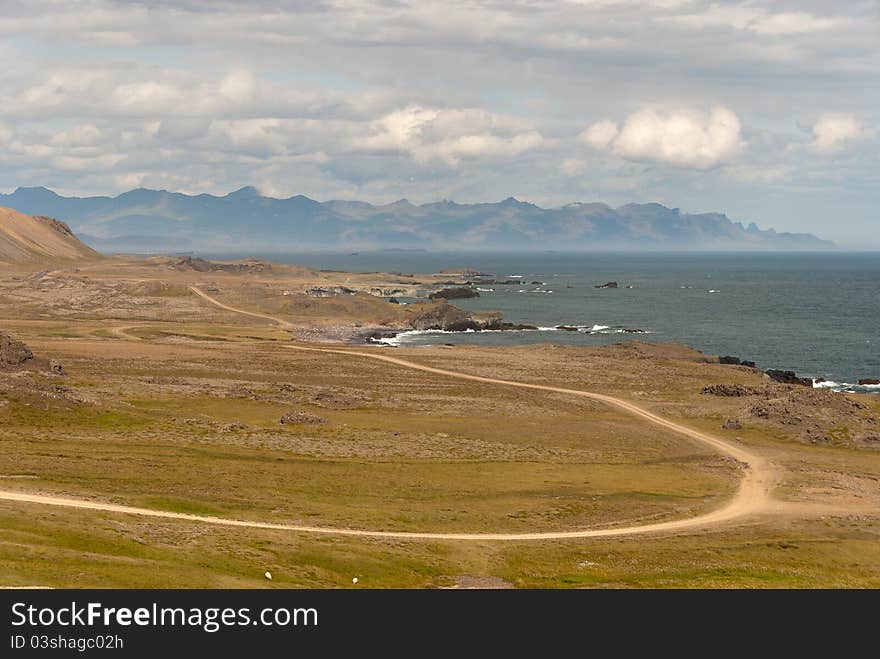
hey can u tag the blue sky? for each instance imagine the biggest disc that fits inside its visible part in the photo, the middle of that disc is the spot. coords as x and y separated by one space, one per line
765 111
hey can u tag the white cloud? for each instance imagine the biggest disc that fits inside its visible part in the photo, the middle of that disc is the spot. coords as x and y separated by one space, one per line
749 17
83 135
796 22
833 132
600 134
685 138
448 135
330 98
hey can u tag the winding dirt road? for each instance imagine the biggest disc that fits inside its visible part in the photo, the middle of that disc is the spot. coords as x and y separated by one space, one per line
752 496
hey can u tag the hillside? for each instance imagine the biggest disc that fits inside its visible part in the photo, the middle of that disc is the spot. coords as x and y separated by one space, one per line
24 238
151 220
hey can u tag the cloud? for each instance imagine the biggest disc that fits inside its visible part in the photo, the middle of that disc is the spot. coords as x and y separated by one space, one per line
833 132
330 98
685 138
83 135
600 134
448 135
747 16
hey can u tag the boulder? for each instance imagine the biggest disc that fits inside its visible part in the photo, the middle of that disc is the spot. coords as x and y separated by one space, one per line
302 417
869 381
607 284
732 424
56 367
13 353
788 377
728 359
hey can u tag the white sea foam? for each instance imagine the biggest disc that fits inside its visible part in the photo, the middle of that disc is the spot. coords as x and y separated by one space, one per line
827 384
410 336
848 387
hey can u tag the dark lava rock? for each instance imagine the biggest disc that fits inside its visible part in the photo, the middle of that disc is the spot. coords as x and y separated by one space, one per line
727 359
567 328
788 377
436 315
394 300
463 326
302 417
748 363
379 335
497 324
454 293
731 390
865 381
608 284
13 353
202 265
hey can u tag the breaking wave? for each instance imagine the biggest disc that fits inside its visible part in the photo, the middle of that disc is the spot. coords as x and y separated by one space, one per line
412 336
848 387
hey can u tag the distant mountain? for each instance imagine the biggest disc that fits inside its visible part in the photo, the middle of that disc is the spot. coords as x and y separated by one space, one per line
156 220
26 239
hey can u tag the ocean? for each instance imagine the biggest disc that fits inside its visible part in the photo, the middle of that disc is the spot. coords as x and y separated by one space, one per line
817 314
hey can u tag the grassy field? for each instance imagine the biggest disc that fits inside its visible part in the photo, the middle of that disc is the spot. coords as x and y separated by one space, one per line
184 416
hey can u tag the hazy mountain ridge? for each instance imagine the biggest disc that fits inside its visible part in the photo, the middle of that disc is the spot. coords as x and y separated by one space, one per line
151 220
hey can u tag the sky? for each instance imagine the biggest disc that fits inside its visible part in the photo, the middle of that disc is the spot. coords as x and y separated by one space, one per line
767 111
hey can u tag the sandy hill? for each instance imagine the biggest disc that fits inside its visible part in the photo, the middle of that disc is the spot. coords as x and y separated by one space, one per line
26 238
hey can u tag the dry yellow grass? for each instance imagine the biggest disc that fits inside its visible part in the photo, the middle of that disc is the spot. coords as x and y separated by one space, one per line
174 404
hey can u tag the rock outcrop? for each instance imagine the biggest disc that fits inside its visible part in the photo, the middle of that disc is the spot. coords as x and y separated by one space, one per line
788 377
735 361
438 315
732 390
303 418
203 265
608 284
13 353
329 291
869 381
454 293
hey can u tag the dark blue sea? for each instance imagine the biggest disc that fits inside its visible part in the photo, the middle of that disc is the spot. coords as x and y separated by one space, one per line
817 314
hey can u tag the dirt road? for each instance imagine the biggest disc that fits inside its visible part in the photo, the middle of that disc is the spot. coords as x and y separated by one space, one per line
752 496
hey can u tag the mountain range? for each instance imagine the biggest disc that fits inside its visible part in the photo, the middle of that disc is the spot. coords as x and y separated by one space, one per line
145 220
